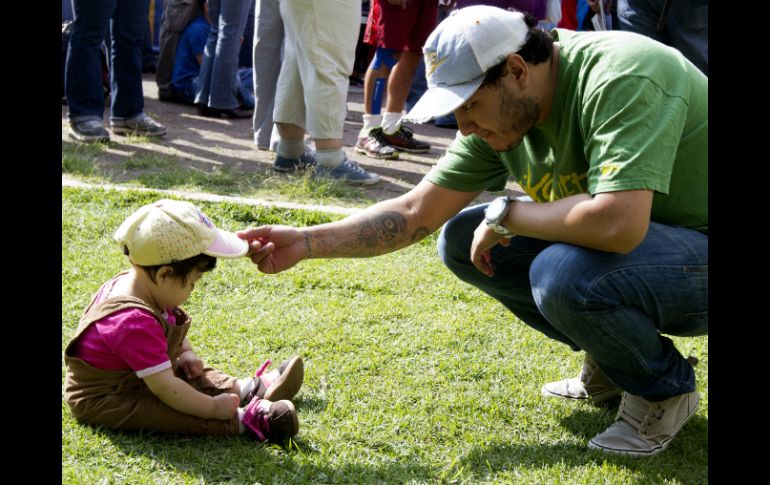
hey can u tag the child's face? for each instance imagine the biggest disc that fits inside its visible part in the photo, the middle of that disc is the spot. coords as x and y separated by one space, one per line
174 291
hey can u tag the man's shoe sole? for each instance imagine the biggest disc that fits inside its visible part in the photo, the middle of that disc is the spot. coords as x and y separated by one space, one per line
121 130
88 138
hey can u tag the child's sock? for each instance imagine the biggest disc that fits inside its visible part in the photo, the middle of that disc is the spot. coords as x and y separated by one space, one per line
241 427
247 386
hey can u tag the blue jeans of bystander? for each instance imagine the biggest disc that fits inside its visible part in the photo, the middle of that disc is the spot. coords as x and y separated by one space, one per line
83 85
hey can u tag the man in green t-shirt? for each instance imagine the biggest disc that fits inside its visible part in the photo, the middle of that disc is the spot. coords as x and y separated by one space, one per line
607 133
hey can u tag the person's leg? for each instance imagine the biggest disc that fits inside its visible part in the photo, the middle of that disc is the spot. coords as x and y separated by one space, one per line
510 285
400 81
209 54
224 80
687 24
268 44
615 307
404 30
289 114
246 87
325 44
83 84
129 22
369 140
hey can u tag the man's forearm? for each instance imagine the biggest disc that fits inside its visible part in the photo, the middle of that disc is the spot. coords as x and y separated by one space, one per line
371 233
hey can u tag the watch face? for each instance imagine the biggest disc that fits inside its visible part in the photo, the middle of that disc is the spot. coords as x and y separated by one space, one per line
495 209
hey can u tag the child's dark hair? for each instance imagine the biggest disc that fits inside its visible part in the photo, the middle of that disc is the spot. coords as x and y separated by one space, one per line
182 269
536 49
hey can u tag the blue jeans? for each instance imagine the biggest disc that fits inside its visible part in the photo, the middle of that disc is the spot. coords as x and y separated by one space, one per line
218 76
245 88
615 307
83 85
684 26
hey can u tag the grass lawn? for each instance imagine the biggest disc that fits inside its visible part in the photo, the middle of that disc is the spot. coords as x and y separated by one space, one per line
411 376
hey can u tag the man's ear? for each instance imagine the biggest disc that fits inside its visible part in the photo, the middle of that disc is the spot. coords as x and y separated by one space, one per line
517 66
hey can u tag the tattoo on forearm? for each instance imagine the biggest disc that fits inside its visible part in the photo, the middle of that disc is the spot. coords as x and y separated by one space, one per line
373 236
383 230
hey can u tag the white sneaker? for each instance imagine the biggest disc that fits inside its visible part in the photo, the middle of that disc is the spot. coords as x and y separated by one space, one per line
645 428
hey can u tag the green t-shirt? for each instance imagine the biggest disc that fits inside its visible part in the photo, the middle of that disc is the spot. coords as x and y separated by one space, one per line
628 113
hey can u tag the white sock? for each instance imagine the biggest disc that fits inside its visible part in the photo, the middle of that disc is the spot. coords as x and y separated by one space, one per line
290 149
391 122
241 427
329 158
370 122
246 385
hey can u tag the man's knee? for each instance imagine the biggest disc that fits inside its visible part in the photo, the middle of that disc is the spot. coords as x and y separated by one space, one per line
557 279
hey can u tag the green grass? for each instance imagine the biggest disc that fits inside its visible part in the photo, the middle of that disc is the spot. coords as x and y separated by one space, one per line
136 165
411 375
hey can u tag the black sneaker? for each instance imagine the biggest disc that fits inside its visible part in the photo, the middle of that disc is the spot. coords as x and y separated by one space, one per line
403 140
89 131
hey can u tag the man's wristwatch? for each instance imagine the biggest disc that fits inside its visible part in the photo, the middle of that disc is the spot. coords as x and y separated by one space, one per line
495 213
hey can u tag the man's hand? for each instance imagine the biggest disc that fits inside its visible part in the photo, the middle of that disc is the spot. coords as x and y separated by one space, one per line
225 405
275 248
485 239
190 364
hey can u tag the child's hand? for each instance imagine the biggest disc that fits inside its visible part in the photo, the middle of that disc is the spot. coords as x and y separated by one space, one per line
190 364
225 405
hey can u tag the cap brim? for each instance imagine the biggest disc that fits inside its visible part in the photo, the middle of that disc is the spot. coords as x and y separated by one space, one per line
442 100
227 245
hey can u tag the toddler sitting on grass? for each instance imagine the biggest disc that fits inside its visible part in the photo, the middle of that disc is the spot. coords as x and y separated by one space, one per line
130 365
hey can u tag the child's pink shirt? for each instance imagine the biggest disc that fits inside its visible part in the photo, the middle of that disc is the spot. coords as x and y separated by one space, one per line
127 339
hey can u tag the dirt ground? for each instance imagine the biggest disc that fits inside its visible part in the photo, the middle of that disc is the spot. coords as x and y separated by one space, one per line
206 143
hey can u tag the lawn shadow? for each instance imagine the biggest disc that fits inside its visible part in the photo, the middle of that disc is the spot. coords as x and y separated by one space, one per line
240 459
684 461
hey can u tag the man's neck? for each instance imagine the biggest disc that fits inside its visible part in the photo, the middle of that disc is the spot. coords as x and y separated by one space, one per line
550 82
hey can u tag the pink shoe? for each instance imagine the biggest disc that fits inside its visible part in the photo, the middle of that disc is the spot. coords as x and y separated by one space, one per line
274 421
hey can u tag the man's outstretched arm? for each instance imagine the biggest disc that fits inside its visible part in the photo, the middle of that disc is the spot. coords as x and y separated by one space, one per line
379 229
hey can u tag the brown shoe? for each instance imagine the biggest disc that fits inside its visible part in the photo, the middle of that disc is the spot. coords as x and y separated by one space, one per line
274 421
281 383
372 145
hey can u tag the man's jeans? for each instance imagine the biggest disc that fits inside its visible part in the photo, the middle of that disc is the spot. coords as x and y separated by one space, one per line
613 306
85 96
682 24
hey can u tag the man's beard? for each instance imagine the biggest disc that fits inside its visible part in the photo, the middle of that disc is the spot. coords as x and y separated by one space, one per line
522 113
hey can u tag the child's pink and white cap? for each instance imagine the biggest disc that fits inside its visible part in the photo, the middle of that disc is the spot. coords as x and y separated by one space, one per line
167 231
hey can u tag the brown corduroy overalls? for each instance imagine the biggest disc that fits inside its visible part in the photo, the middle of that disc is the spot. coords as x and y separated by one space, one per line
118 399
